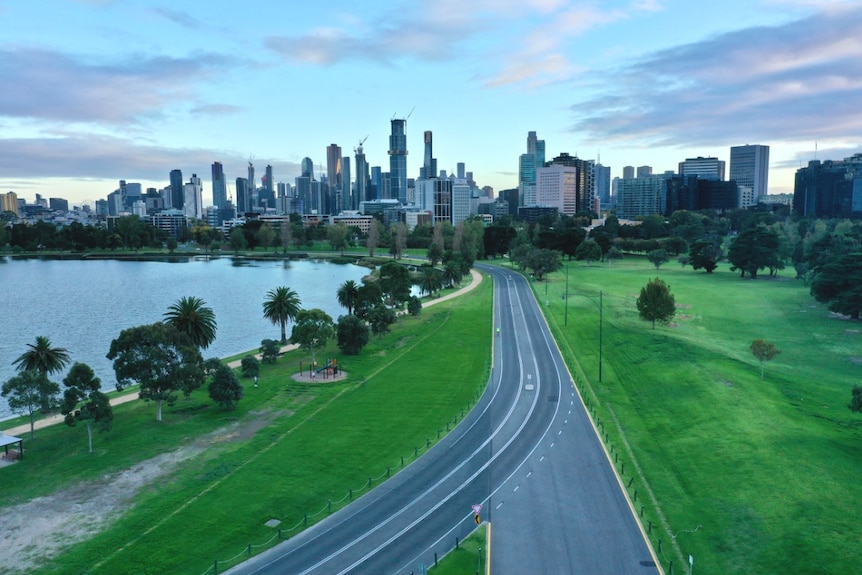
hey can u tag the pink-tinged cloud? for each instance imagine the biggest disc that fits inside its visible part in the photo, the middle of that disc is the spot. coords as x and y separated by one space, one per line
58 87
795 82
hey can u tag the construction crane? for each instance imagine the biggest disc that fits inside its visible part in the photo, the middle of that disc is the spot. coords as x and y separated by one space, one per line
358 149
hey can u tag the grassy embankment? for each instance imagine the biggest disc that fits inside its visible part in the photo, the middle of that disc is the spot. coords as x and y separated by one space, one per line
287 451
746 476
468 558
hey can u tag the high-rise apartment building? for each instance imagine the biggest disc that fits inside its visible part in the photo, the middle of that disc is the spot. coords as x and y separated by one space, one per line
460 171
333 176
641 196
243 199
602 184
398 161
429 165
346 196
527 165
9 203
219 185
829 189
362 187
556 186
307 167
176 199
749 167
704 168
644 171
583 180
628 172
193 198
251 186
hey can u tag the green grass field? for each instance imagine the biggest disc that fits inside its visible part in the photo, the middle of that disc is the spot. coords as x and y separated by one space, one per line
746 476
468 558
289 449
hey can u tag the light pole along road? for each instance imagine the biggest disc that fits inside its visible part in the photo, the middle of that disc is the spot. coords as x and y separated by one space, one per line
527 453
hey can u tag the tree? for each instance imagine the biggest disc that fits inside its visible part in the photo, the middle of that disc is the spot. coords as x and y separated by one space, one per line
856 399
656 303
613 254
265 235
171 244
589 250
190 316
337 236
452 273
370 295
705 253
237 239
380 318
431 281
250 366
282 304
348 295
352 334
25 391
47 360
658 257
414 306
373 237
82 385
399 240
753 250
225 389
269 351
162 359
764 351
285 234
395 283
839 285
435 254
542 261
313 328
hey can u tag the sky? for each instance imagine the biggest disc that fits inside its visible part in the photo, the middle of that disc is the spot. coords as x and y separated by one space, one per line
94 91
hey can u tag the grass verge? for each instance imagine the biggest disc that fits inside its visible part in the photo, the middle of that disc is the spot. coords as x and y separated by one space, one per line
742 474
292 451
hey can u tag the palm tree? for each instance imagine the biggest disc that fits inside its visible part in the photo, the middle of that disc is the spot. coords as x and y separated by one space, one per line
348 295
43 359
430 281
190 316
282 304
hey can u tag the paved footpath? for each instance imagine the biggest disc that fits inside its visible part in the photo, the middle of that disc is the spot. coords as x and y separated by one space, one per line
58 418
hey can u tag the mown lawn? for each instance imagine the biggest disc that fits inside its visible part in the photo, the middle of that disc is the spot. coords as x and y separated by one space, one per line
289 449
744 475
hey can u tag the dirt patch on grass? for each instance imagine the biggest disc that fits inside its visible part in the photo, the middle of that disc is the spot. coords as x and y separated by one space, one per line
684 306
43 527
856 360
36 531
852 331
683 316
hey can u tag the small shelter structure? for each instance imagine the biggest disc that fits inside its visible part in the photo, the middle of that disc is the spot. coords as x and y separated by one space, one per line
11 454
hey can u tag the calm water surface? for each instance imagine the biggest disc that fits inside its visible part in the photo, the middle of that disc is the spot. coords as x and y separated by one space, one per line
83 305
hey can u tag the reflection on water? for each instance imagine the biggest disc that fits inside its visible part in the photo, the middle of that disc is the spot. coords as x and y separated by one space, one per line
83 305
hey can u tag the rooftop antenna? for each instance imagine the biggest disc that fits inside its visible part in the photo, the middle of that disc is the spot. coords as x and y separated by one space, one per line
815 149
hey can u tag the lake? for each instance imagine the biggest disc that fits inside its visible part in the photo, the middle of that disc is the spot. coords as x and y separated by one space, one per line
82 305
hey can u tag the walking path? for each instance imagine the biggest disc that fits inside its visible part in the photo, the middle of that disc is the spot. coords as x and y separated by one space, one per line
58 418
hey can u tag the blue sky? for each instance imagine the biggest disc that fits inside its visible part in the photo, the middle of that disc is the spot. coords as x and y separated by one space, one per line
94 91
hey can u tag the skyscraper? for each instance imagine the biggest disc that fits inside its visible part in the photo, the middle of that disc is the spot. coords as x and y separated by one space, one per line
219 185
459 170
644 171
307 167
362 188
602 183
242 196
527 165
333 176
398 161
749 166
346 197
176 199
429 165
703 168
193 198
628 172
251 196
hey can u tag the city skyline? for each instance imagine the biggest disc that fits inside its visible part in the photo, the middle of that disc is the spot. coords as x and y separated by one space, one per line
106 90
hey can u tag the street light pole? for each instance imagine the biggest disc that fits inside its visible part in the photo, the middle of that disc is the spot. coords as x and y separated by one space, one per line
566 321
601 322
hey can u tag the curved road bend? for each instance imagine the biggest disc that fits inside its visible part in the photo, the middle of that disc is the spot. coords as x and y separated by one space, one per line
527 453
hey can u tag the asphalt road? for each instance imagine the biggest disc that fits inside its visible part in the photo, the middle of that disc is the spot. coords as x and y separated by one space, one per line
527 453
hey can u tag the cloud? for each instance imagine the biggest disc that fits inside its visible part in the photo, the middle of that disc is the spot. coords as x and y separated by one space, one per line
215 109
85 156
49 85
177 17
795 82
